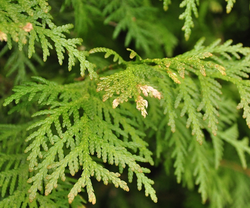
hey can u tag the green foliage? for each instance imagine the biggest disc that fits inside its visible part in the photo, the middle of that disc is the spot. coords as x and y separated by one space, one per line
14 173
191 7
90 133
135 118
127 14
18 62
19 27
84 13
165 4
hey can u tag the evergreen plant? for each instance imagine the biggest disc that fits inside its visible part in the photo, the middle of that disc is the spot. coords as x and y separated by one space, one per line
149 95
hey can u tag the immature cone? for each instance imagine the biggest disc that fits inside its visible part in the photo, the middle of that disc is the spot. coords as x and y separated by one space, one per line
141 105
28 27
116 102
3 36
148 89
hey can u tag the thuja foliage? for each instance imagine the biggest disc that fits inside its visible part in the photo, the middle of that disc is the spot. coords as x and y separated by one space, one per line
131 111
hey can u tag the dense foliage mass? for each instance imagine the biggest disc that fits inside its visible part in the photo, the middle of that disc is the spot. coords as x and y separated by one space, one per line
147 95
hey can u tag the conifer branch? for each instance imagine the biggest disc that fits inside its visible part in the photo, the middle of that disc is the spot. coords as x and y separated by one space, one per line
187 15
179 141
107 126
15 27
201 170
84 134
188 92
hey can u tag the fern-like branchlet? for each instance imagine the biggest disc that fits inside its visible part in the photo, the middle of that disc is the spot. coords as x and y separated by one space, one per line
87 127
113 125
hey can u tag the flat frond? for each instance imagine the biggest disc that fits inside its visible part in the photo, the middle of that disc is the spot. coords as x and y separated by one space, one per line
168 101
244 91
189 93
210 89
126 84
14 172
201 171
18 62
219 191
126 16
178 141
97 131
240 193
241 146
107 126
20 28
85 12
191 7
